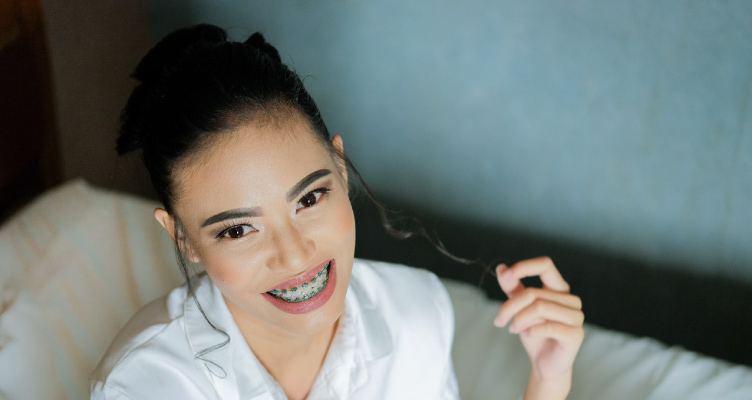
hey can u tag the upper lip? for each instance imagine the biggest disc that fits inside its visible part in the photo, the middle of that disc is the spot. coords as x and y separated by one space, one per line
298 280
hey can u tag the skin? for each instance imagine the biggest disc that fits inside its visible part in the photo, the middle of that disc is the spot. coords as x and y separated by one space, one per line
549 321
255 166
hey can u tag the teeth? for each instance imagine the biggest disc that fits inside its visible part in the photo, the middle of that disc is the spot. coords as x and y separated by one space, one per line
306 290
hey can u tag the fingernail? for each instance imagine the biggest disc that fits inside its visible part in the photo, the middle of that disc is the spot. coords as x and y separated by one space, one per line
507 274
500 268
498 322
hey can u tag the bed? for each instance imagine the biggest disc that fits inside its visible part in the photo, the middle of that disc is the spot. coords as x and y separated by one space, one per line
79 261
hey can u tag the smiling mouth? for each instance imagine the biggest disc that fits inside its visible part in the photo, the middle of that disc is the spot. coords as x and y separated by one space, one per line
306 290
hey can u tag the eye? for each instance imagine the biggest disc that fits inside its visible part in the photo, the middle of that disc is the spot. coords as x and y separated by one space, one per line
310 198
236 231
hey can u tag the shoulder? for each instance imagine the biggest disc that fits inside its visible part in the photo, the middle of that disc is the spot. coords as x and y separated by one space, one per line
140 362
405 294
408 325
405 281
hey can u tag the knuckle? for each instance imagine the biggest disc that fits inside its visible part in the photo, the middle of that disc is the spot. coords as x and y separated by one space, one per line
547 261
530 295
580 318
577 302
540 306
549 328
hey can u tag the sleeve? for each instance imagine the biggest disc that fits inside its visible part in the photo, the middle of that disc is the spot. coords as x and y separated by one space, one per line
450 390
151 376
103 391
148 390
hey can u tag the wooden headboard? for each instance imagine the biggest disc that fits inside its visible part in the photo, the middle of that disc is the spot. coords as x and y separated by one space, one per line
29 161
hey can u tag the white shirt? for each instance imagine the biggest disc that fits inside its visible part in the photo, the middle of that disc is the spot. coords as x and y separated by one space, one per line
393 342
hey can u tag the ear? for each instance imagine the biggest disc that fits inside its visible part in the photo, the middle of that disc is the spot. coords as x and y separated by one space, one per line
339 147
168 223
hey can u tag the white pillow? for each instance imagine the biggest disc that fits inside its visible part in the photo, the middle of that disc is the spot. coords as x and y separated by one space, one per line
75 265
78 262
491 362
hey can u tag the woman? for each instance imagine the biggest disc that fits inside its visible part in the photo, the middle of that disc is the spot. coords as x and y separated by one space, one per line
256 190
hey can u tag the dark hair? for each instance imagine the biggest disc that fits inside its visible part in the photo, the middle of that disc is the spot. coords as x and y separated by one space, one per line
194 84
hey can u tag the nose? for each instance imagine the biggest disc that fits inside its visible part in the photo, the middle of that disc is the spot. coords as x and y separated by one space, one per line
291 249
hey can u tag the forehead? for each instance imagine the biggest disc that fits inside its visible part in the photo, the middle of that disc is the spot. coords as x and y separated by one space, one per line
248 166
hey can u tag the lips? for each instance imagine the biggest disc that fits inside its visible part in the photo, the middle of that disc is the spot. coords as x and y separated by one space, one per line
292 302
304 290
298 281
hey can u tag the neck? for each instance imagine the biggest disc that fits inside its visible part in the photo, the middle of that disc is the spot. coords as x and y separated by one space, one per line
284 347
294 362
292 359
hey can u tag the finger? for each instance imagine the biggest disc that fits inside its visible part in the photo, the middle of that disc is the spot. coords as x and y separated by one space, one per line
542 311
509 286
511 307
568 336
543 267
524 298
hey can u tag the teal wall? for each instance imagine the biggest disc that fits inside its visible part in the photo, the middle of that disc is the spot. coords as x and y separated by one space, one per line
623 125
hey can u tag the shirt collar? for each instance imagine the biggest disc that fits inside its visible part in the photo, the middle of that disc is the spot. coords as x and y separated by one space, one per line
362 337
373 329
222 353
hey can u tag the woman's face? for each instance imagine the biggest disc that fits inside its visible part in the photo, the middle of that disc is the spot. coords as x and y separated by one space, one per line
265 209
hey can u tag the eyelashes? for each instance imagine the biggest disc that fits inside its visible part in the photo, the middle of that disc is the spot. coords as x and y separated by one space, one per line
311 198
235 229
239 228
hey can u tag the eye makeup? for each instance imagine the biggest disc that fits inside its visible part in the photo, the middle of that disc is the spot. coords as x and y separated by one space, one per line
229 224
322 191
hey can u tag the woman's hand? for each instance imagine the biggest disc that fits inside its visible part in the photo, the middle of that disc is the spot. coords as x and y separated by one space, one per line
549 321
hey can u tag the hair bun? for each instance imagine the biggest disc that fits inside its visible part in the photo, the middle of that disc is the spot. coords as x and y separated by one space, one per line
257 40
174 48
153 71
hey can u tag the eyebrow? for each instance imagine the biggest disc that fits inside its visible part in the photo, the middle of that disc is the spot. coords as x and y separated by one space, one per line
293 193
296 190
230 214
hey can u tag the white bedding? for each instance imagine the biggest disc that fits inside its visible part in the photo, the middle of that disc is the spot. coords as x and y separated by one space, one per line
77 263
610 365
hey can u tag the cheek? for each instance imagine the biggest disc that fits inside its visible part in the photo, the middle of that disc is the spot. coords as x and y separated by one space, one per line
226 267
219 273
333 230
342 224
